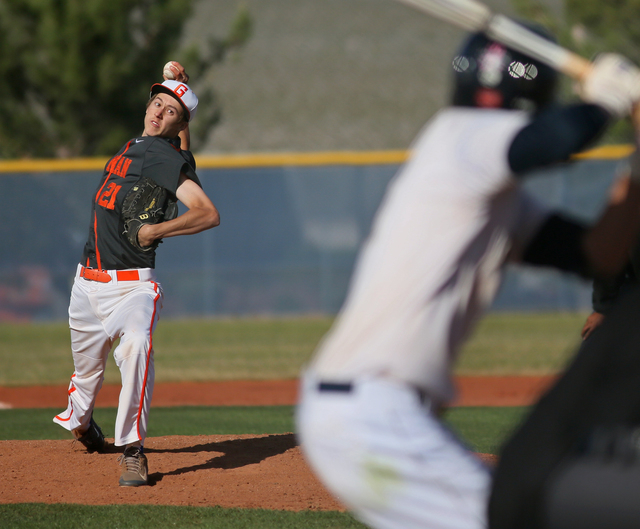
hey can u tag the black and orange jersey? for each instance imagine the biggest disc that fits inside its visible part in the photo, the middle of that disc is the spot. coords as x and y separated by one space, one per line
160 159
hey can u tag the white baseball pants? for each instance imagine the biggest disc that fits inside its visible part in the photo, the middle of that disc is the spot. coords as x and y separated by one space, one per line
388 459
99 315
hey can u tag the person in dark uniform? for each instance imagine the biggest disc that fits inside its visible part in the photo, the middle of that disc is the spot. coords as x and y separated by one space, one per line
606 292
115 294
572 461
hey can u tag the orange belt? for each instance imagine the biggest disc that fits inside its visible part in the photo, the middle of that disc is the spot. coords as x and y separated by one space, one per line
104 277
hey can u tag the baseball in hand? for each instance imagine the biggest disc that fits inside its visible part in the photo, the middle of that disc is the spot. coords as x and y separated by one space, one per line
167 72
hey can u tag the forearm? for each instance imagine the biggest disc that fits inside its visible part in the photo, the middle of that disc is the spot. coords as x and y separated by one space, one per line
185 139
193 221
607 244
610 242
601 251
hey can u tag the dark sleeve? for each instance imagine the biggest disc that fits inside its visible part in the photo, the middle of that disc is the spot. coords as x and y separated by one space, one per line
558 244
554 135
188 156
163 163
190 168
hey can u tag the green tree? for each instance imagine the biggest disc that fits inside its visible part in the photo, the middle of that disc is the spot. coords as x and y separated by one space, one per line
589 27
605 26
76 73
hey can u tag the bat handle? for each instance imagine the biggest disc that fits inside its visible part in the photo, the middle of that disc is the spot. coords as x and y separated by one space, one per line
576 67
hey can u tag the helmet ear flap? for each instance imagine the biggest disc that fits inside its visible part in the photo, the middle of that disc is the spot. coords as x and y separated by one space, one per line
488 74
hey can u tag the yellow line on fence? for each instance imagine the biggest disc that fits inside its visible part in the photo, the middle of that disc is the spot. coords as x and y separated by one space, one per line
298 159
231 161
52 165
607 152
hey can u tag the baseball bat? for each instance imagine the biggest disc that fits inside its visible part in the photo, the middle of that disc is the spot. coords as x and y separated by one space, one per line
472 15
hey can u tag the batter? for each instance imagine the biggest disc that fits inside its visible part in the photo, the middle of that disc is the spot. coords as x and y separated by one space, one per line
369 414
116 294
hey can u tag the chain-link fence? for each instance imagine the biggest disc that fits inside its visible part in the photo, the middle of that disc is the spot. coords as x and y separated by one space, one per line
286 244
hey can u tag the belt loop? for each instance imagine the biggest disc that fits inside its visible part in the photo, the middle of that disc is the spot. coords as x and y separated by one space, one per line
127 275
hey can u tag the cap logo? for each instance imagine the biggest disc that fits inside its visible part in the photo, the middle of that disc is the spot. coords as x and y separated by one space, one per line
181 90
491 64
182 93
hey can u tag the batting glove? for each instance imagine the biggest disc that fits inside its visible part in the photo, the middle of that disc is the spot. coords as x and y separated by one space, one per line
613 83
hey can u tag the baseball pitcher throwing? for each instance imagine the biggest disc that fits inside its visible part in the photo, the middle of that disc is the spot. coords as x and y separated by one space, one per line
115 294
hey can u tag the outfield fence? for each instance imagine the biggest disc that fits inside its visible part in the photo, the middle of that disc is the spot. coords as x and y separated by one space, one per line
291 228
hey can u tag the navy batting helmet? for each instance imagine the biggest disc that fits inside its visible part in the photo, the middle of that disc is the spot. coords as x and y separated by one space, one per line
489 74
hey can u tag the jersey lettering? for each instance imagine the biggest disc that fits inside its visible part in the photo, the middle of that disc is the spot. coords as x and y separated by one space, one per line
108 197
119 165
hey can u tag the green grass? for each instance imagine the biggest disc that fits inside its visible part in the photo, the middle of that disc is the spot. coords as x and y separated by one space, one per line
195 350
44 348
522 343
483 428
23 424
263 348
236 348
42 516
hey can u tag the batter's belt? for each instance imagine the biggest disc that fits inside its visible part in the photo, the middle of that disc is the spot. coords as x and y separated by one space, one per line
324 386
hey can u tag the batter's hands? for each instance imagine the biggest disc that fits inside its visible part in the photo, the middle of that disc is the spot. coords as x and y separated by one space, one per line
593 321
613 83
178 72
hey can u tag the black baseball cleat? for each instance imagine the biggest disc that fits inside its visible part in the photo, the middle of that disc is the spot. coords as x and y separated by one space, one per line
93 439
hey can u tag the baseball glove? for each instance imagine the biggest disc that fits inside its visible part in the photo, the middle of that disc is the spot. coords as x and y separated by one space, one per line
146 203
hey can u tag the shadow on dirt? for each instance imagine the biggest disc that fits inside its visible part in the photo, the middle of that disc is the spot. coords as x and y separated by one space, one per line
235 453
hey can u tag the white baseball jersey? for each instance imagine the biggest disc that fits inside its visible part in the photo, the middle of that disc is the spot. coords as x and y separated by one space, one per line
433 260
431 265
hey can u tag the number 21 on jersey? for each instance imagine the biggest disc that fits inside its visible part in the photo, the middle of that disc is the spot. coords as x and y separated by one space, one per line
107 198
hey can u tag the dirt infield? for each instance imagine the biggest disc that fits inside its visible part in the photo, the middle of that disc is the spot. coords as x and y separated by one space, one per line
247 471
473 391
